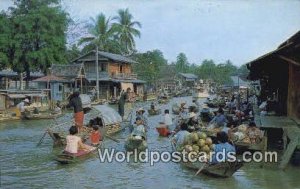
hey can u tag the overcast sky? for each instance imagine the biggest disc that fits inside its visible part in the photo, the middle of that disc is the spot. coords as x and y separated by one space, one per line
207 29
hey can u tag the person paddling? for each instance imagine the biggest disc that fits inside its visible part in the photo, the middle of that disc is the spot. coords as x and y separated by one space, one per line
74 143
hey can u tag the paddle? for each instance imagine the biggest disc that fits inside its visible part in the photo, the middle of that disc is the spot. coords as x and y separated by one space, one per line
113 139
201 168
42 139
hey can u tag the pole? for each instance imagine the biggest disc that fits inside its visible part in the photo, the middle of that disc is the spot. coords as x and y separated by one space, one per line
97 73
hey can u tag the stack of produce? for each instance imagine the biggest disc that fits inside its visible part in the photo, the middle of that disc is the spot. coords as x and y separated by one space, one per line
197 142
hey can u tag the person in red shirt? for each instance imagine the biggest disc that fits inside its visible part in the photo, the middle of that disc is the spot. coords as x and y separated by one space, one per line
95 136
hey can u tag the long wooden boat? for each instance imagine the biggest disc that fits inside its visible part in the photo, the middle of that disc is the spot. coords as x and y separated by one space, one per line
110 118
152 112
41 116
175 109
67 158
132 143
261 146
222 170
163 101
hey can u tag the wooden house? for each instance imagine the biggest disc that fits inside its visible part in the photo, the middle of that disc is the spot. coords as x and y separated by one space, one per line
55 86
10 80
188 79
279 75
115 73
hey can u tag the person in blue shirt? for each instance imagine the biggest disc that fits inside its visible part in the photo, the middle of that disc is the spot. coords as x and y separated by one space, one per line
223 151
219 120
180 136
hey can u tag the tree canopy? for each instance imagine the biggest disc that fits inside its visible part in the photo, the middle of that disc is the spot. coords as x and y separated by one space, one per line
35 35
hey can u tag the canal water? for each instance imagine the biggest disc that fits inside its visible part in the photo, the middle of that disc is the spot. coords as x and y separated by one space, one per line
23 165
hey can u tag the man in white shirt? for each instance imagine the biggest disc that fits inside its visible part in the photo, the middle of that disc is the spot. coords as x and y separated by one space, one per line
167 119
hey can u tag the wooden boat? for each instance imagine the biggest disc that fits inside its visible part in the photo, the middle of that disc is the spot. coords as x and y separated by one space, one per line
175 109
110 118
113 101
67 158
41 116
200 92
261 146
133 143
163 101
152 112
222 170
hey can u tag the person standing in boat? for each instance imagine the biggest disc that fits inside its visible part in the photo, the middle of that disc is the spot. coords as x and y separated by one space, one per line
75 102
122 100
223 151
74 143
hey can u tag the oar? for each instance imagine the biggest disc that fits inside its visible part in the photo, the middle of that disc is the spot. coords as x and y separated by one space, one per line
111 138
42 139
201 168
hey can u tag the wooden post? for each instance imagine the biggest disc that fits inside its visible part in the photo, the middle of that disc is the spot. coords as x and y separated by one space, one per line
81 84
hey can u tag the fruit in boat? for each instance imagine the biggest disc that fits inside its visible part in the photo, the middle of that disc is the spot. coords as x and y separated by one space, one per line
205 149
188 148
208 141
201 142
202 135
196 148
194 137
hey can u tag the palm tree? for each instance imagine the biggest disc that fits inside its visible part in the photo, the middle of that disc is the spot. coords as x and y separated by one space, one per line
102 35
126 30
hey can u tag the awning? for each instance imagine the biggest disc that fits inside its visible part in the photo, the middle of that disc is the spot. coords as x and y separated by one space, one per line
15 96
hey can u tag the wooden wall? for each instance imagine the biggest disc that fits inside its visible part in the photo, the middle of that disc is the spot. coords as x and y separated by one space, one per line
115 68
294 92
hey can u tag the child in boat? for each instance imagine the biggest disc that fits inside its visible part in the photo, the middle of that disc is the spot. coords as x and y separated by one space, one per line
139 129
141 113
222 148
95 136
74 143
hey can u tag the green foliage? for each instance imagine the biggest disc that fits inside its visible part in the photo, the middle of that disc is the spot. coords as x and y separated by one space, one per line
219 73
72 53
102 35
126 30
149 65
37 35
182 64
5 40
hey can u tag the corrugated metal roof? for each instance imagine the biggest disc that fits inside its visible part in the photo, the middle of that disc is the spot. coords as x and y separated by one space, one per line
189 75
10 73
68 70
51 78
111 56
116 57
